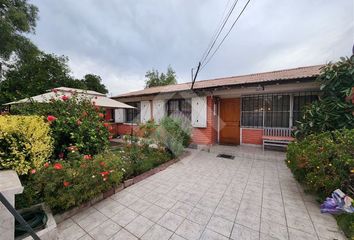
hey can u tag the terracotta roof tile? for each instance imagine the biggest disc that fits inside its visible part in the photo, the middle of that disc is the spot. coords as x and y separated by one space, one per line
286 74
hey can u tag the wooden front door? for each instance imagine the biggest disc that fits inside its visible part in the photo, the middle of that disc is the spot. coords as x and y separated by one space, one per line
230 121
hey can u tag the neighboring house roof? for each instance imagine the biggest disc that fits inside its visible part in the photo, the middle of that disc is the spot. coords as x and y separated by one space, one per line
281 75
98 98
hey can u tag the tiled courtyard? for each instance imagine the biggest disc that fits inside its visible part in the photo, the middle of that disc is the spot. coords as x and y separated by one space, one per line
253 196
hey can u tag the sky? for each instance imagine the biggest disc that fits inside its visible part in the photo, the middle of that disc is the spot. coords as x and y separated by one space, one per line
121 40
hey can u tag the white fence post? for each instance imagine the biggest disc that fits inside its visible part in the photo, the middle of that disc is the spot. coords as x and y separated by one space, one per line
9 186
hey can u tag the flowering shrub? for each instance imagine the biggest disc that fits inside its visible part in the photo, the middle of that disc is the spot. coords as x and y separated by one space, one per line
25 143
74 122
324 162
66 184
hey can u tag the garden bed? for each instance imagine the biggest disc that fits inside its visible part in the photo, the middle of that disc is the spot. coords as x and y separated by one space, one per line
60 217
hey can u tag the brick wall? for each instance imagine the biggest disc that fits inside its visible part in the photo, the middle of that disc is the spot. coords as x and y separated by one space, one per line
252 136
207 135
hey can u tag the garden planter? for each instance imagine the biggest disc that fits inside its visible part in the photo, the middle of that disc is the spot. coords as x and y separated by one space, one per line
108 193
97 199
49 232
128 182
119 188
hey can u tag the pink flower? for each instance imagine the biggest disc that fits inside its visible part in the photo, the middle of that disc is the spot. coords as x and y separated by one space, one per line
61 155
105 124
102 164
101 115
51 118
54 90
87 157
33 171
78 122
58 166
64 98
46 164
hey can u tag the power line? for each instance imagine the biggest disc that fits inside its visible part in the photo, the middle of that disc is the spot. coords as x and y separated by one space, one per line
226 35
219 31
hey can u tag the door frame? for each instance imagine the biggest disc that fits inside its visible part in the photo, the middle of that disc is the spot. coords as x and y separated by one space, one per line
219 118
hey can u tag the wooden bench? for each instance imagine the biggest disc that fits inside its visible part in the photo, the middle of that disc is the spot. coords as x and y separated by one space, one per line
278 137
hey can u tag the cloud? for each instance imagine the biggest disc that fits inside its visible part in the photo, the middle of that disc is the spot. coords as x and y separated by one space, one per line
121 40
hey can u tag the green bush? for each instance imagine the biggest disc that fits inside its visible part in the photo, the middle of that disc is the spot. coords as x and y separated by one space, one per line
66 184
333 110
173 134
324 161
74 121
25 143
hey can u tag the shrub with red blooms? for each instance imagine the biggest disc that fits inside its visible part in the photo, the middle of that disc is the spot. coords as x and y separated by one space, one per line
66 184
74 122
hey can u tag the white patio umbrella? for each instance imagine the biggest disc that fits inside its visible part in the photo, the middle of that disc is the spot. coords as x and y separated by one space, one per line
97 98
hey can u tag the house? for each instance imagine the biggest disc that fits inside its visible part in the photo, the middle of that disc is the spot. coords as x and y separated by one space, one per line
232 110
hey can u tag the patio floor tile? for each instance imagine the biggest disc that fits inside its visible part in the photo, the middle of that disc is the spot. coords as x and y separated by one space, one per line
170 221
105 230
189 230
124 235
154 213
124 217
157 232
139 226
251 197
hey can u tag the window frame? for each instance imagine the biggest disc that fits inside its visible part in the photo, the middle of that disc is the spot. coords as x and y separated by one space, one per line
184 107
133 113
262 111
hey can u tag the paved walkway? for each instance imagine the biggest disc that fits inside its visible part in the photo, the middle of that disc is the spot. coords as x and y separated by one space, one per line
253 196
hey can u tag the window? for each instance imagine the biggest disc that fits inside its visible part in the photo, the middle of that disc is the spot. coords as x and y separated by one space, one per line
133 115
276 110
300 101
179 108
273 110
252 111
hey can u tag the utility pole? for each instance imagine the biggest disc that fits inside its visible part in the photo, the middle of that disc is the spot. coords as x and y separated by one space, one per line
195 76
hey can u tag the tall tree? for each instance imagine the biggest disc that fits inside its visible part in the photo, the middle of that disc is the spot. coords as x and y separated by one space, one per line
35 76
17 17
154 78
94 82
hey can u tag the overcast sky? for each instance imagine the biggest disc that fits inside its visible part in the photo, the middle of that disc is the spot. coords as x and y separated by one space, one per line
120 40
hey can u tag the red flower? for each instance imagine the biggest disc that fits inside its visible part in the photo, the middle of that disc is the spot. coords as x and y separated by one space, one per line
103 174
46 164
66 184
102 164
87 157
33 171
105 124
101 115
64 98
51 118
58 166
78 122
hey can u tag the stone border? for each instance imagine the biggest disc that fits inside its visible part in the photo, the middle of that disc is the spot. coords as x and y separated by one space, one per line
68 214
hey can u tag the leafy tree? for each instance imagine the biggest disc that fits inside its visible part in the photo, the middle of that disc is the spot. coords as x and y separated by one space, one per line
17 17
333 110
93 82
154 78
35 76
